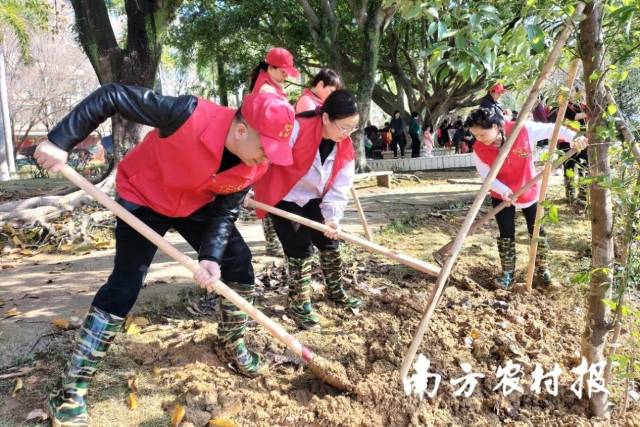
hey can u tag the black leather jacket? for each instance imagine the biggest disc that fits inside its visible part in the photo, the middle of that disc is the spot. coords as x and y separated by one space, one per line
167 113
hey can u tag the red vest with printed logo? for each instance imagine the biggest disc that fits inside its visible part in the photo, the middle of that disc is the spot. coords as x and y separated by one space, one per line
518 168
279 180
176 175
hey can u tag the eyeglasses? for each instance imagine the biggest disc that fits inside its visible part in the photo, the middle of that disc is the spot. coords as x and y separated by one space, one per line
345 130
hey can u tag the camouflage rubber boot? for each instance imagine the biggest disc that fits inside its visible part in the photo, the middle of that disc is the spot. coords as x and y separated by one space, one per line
272 244
300 306
507 251
582 195
331 265
231 332
67 403
542 274
569 189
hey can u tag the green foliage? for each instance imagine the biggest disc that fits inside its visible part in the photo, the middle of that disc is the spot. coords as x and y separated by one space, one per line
22 15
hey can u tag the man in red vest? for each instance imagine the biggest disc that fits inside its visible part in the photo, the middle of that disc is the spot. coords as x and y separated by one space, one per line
190 173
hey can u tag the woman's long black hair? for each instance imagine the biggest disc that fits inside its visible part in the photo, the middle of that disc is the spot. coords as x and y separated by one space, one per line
327 76
484 118
339 105
262 66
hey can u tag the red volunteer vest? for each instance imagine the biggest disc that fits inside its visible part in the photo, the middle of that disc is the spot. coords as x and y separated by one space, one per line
176 175
309 93
279 180
264 78
518 168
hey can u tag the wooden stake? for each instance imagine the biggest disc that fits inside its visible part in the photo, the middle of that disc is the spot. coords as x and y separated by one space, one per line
475 207
562 109
363 219
317 364
407 260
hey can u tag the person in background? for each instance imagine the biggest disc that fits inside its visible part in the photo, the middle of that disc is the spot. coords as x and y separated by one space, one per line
491 131
462 139
414 133
427 135
578 164
492 100
387 136
458 135
269 76
374 136
322 85
443 135
397 130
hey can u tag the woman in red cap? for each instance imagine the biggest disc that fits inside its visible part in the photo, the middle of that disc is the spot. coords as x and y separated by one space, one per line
269 76
491 131
315 186
190 173
323 84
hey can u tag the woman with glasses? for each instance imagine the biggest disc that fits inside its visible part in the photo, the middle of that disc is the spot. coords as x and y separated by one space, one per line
316 187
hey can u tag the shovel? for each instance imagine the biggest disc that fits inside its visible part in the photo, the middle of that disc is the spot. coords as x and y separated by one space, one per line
332 373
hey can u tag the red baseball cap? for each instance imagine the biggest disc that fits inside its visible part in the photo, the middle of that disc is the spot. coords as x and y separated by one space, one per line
273 118
498 88
281 58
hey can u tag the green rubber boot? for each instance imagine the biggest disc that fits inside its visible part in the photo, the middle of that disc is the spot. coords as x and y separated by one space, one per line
542 274
569 188
507 251
272 244
231 332
300 306
67 403
331 265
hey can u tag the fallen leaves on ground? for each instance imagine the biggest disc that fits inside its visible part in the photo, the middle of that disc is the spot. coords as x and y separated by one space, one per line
19 386
133 401
177 415
221 422
61 324
12 313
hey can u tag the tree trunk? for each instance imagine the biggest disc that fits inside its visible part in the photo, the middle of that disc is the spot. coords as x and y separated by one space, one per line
373 28
137 64
222 82
597 326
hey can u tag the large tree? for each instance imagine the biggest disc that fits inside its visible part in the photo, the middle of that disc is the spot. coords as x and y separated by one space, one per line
134 59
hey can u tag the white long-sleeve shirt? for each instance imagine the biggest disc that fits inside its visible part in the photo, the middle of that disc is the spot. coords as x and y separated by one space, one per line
312 184
537 131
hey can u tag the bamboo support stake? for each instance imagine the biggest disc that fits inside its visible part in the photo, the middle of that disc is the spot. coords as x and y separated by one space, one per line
562 109
363 218
475 207
407 260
